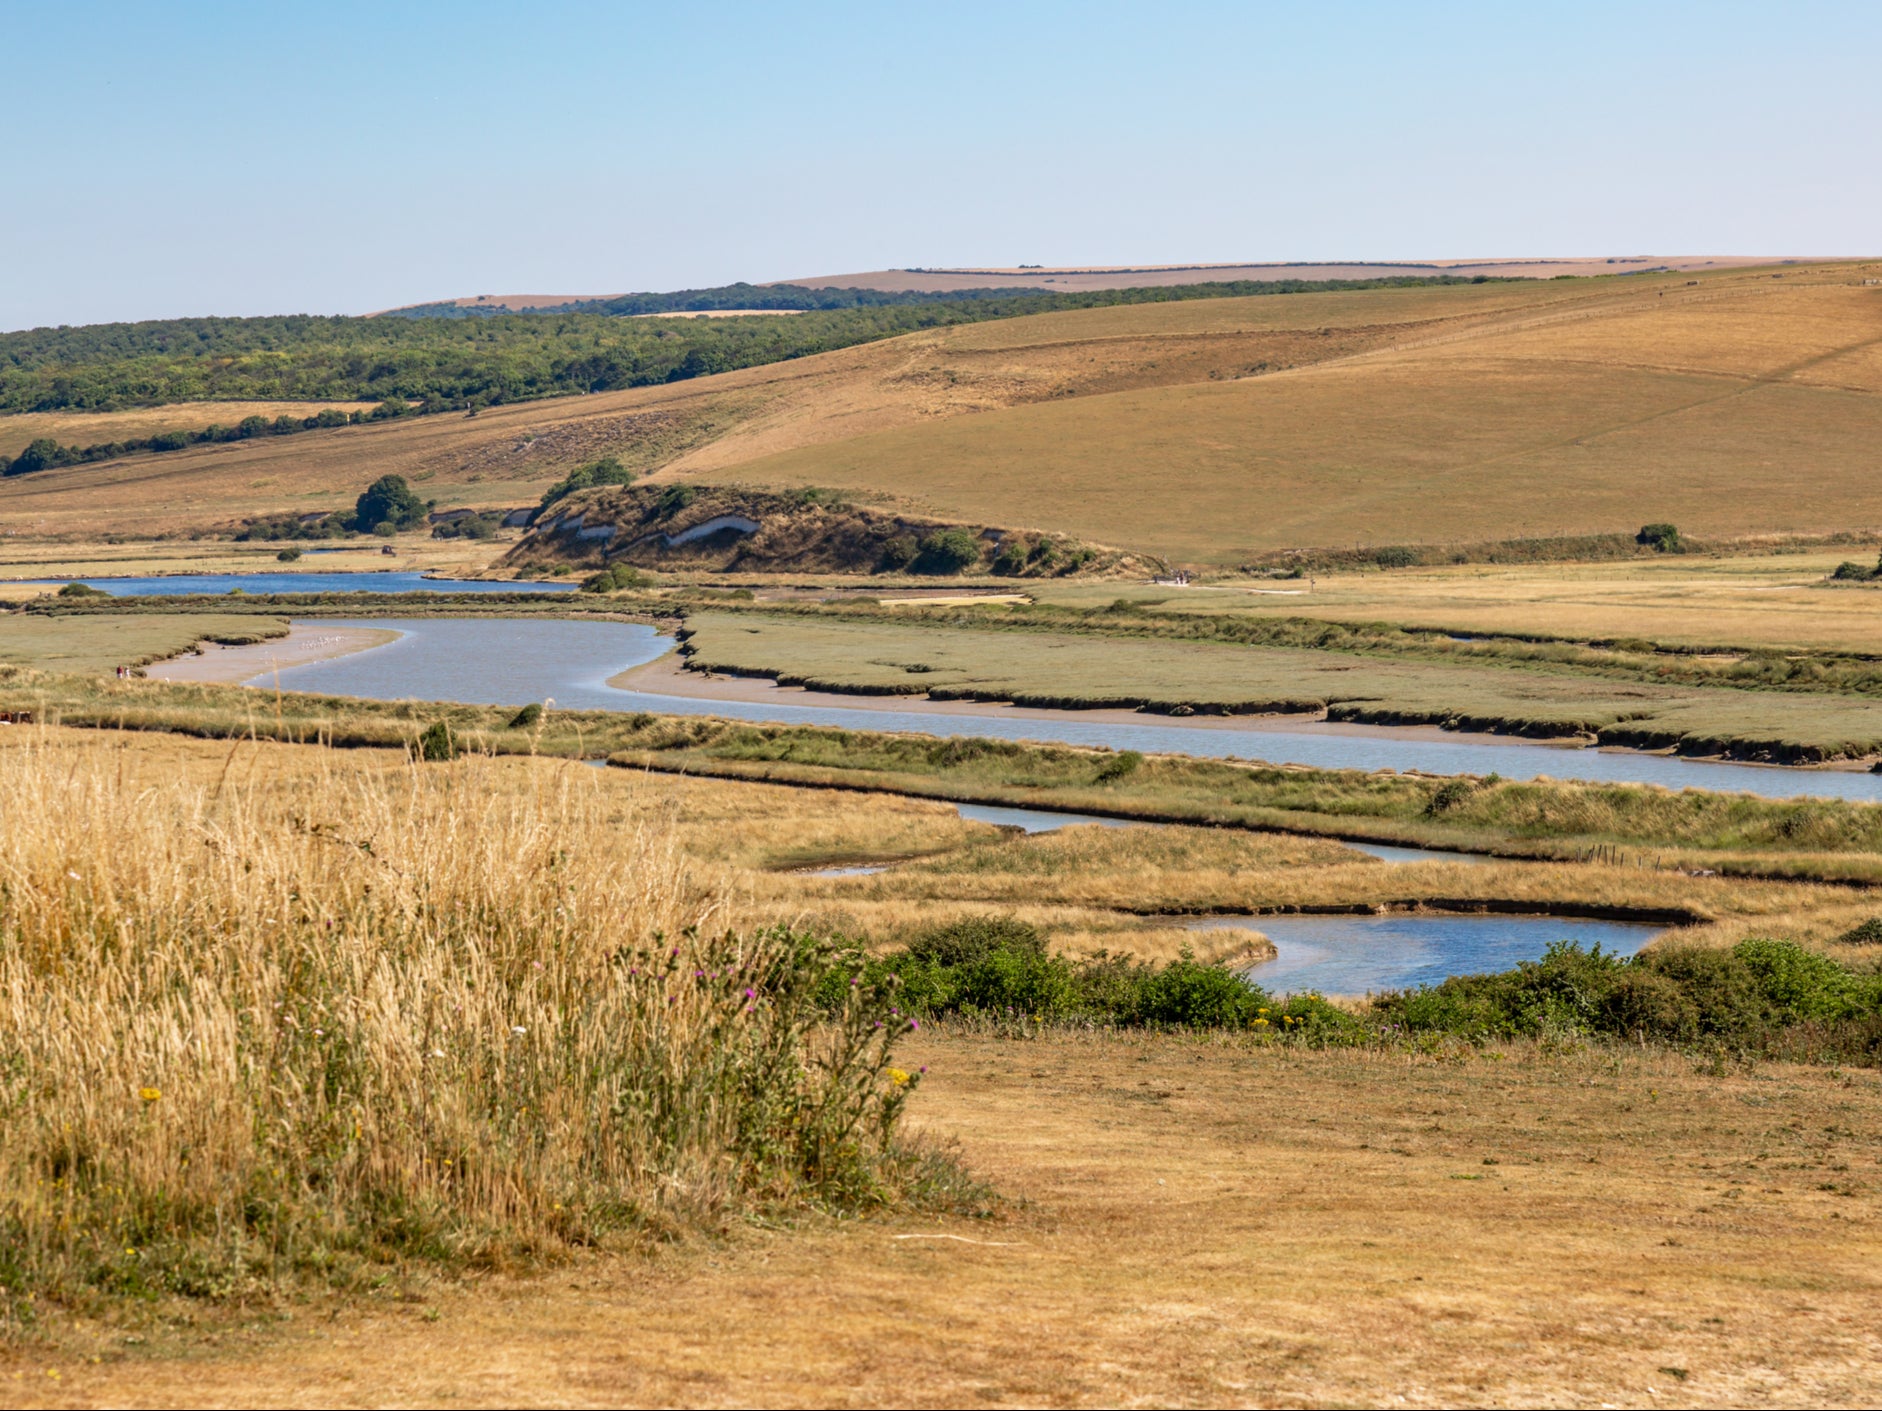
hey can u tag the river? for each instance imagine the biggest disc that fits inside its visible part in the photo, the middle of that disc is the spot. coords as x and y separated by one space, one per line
503 662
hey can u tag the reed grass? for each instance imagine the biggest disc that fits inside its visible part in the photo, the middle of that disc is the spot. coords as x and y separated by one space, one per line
254 1031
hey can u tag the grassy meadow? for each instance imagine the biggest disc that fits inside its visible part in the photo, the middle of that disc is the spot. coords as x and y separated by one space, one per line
1520 690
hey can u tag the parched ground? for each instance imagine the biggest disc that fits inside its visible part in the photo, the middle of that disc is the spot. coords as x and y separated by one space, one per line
1190 1222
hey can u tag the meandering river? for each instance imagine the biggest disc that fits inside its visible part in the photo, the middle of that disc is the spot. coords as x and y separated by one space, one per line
502 662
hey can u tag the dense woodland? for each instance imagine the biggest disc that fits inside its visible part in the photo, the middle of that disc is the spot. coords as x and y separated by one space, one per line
469 362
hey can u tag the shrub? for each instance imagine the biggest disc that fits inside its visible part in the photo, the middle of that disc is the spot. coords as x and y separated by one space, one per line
1868 933
437 742
1849 571
672 500
899 553
947 551
1012 559
606 471
1119 766
529 715
1395 556
288 556
82 590
615 579
1661 538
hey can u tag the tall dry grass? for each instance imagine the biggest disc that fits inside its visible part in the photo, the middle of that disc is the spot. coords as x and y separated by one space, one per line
256 1029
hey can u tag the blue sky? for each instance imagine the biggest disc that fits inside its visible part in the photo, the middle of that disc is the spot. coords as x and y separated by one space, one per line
190 158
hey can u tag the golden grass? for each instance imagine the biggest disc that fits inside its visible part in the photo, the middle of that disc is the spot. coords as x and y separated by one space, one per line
89 428
321 1019
64 560
1385 415
1195 1223
1777 601
1711 407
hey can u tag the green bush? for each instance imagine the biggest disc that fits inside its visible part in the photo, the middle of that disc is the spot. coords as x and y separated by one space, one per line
899 553
437 743
82 590
529 715
615 579
1748 995
1868 933
1849 571
1121 765
606 471
947 551
288 556
1661 538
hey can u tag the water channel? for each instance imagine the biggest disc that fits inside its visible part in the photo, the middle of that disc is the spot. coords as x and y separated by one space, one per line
390 581
502 662
1356 955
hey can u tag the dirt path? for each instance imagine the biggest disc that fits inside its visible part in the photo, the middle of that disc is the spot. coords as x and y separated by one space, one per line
1198 1225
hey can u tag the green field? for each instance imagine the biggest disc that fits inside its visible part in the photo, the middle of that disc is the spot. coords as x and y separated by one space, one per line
1042 668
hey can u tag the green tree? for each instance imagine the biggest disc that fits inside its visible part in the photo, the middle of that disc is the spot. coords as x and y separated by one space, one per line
389 501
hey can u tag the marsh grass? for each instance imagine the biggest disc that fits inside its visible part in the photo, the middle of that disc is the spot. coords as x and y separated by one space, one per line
257 1030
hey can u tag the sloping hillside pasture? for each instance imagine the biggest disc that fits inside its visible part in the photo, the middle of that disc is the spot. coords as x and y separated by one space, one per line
1744 405
1207 431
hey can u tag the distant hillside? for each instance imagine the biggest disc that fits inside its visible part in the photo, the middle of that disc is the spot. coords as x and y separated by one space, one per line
1206 430
1059 278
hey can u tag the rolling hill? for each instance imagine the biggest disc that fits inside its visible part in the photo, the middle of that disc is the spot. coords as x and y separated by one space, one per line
1737 401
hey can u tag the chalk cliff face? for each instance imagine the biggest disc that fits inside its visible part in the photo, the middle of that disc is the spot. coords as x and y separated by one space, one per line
725 529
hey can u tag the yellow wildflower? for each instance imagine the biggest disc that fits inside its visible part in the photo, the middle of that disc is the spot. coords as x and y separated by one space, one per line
150 1094
898 1077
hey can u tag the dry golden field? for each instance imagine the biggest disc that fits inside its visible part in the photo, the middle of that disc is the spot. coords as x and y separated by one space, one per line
1184 1222
1778 601
82 428
1732 402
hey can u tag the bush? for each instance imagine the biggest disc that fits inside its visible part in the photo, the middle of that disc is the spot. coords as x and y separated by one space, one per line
947 551
606 471
1849 571
1869 933
899 553
615 579
82 590
1012 559
1749 994
529 715
1661 538
288 556
1396 556
437 743
1119 766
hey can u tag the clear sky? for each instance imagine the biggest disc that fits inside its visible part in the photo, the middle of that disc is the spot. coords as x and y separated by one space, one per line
193 158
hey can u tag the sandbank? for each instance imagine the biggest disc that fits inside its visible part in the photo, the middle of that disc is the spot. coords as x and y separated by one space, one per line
305 642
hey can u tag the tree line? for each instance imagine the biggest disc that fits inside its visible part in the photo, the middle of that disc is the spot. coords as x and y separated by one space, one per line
45 452
467 363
